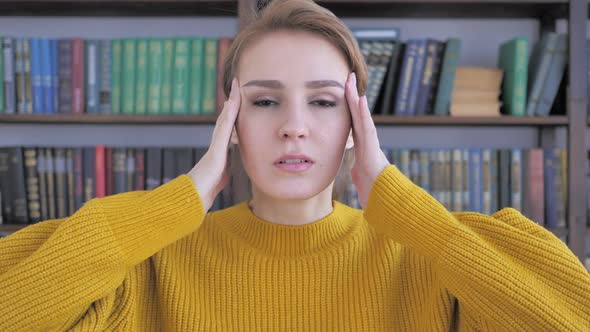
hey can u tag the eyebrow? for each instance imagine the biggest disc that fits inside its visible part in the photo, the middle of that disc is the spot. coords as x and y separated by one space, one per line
274 84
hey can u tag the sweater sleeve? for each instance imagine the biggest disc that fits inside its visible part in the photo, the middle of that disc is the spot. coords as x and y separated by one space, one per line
509 272
52 271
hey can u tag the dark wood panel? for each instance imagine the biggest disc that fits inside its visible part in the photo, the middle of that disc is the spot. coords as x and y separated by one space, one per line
201 119
448 9
120 8
344 8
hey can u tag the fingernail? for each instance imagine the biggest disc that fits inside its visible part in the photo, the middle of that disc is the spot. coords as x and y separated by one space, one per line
354 78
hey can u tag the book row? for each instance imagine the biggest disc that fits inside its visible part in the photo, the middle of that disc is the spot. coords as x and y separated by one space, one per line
39 183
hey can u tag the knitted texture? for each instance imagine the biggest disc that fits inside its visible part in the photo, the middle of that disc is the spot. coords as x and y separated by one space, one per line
153 261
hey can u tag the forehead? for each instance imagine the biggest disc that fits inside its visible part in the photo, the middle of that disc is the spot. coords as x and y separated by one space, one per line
292 56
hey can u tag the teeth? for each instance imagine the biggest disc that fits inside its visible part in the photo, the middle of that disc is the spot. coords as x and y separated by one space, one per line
292 161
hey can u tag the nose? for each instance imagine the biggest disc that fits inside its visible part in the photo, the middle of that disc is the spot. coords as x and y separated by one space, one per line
294 126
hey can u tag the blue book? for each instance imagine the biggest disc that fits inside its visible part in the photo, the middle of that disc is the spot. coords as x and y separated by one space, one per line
538 70
516 179
416 78
554 76
54 75
36 84
46 76
475 180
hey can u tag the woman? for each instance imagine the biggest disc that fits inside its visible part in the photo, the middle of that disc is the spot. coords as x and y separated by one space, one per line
290 258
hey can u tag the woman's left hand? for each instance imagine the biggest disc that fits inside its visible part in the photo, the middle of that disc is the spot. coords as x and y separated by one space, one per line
369 159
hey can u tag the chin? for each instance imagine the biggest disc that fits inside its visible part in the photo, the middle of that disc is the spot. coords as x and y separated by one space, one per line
292 190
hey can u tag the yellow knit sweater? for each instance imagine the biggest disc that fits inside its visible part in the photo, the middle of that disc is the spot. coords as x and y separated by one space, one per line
152 261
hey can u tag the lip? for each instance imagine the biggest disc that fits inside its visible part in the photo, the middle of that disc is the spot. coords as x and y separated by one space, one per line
293 156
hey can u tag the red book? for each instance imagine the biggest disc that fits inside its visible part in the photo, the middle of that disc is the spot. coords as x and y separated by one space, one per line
78 75
222 47
139 169
99 171
109 170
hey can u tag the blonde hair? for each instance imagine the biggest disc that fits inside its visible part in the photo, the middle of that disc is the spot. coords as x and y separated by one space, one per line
297 15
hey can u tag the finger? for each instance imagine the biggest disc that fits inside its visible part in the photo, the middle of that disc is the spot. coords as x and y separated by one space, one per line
227 118
367 124
352 99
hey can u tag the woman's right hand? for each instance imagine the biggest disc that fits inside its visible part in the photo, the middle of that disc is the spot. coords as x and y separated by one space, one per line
209 174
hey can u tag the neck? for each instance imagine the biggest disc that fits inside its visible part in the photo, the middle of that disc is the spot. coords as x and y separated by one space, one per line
292 211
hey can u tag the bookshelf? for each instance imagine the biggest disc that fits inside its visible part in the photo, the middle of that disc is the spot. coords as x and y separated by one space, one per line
544 12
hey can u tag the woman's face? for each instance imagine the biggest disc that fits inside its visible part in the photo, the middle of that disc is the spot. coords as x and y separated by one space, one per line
293 103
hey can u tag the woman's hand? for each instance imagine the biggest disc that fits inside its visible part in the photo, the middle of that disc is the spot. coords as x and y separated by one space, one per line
369 159
209 174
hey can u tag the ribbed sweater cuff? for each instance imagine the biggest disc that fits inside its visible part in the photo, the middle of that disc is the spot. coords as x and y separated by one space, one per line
146 224
406 213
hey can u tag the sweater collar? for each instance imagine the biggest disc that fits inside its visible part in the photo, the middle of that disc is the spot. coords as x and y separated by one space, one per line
291 240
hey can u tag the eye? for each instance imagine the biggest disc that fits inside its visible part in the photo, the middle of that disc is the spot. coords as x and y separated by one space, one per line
263 103
324 103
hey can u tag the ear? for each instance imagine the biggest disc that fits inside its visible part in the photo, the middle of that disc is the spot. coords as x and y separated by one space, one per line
349 140
234 136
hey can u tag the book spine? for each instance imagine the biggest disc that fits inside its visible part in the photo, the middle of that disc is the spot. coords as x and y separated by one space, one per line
70 192
54 75
89 173
116 72
27 76
78 178
119 169
60 182
5 186
9 86
99 168
65 76
141 79
447 76
181 76
153 168
167 72
20 207
78 76
128 79
554 76
42 174
402 97
92 70
50 176
104 93
32 180
155 66
19 75
210 77
516 179
46 76
223 46
139 169
417 72
196 80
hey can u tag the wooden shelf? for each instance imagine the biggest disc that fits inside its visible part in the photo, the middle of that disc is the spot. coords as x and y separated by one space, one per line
119 8
345 8
448 9
106 119
384 120
471 121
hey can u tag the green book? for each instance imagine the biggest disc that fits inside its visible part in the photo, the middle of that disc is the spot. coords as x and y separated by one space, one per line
167 68
1 81
156 49
196 75
446 81
182 47
141 77
128 79
513 60
210 77
116 72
